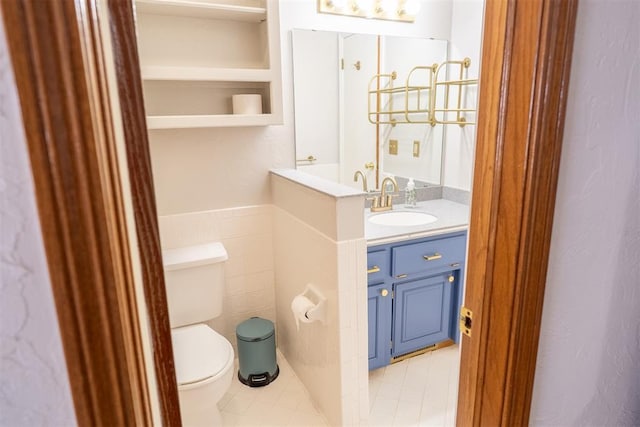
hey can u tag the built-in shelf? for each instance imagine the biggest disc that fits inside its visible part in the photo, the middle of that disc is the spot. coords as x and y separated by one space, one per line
207 74
199 9
204 121
196 55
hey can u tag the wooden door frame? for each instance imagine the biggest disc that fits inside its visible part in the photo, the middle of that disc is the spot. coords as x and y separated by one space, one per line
61 79
526 61
59 62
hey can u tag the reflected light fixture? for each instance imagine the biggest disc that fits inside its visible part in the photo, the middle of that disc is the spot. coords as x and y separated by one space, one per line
390 10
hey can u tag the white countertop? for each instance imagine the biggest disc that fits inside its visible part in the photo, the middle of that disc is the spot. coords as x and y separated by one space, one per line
451 216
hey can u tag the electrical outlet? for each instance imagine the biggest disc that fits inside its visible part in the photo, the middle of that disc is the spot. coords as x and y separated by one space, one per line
416 148
393 147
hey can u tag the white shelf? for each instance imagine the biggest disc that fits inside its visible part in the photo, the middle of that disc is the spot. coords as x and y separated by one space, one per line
207 74
204 121
199 9
191 68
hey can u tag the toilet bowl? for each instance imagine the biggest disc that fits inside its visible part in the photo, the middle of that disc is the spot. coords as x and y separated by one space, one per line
204 370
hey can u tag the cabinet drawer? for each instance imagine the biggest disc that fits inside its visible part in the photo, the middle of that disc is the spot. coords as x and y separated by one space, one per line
377 265
420 257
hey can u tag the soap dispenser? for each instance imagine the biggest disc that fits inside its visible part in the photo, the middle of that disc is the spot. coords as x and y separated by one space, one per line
410 194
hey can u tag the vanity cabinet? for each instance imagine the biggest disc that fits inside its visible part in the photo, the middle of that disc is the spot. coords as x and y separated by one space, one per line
196 54
414 291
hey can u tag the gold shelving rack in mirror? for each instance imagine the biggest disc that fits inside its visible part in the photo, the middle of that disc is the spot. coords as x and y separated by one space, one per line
383 93
383 98
419 102
460 83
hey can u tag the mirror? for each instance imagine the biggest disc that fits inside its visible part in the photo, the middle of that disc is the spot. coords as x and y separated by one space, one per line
333 75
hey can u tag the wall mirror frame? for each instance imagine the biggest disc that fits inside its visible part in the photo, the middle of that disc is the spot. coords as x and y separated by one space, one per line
526 61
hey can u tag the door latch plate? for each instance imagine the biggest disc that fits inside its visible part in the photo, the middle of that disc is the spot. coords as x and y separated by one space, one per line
466 317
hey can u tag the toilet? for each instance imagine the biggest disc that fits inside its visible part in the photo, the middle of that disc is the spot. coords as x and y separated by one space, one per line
194 278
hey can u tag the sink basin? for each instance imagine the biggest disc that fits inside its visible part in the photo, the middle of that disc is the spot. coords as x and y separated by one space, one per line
402 218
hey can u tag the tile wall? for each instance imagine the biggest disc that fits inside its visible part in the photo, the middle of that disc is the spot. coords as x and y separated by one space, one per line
305 256
246 234
274 251
354 330
319 239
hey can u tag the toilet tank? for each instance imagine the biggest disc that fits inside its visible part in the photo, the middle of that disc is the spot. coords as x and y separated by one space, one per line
194 280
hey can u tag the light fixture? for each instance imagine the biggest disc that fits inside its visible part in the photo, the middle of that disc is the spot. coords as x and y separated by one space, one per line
390 10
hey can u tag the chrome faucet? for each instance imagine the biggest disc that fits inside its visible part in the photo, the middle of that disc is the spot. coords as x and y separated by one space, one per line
383 202
364 180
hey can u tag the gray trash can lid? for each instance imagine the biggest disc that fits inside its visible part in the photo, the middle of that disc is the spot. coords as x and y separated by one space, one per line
255 329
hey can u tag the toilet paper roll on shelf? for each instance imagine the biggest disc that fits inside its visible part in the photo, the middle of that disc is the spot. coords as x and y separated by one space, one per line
309 306
248 103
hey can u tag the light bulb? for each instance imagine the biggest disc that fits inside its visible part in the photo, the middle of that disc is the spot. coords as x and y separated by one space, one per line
385 6
337 4
411 7
364 7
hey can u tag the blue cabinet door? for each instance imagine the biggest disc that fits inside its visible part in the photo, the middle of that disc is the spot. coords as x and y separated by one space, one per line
379 309
421 313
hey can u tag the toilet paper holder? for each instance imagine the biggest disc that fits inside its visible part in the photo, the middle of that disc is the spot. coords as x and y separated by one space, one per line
317 312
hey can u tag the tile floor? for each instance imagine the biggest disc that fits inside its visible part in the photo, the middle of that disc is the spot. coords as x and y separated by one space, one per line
421 391
284 402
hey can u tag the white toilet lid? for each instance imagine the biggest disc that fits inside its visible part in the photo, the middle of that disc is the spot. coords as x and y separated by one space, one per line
199 353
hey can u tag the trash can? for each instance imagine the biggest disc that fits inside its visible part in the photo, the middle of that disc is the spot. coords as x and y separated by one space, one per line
257 352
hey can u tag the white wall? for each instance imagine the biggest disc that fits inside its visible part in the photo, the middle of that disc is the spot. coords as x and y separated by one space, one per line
207 169
34 387
465 41
588 370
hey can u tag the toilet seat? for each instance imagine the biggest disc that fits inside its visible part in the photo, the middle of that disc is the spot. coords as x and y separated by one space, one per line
201 355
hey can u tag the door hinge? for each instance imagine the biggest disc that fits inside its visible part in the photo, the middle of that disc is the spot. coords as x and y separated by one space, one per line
466 317
342 63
